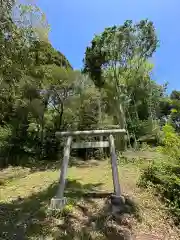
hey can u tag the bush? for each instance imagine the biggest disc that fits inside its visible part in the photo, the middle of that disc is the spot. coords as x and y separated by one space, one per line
164 174
5 133
171 143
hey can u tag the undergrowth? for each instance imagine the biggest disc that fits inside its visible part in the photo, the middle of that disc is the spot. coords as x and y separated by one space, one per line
164 173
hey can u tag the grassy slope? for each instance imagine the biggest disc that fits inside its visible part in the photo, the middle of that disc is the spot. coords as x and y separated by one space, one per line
25 197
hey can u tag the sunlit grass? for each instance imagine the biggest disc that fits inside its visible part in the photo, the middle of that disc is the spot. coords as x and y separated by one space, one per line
25 198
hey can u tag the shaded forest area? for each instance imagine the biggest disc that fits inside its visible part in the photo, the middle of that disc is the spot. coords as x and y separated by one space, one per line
41 93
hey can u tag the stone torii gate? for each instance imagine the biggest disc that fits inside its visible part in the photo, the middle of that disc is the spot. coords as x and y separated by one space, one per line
59 200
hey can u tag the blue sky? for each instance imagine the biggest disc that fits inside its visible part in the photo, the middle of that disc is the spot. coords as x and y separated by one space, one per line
74 23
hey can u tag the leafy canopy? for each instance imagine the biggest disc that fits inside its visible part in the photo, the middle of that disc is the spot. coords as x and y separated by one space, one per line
117 46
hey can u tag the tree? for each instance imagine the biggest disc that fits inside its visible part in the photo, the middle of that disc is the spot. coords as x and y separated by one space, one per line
175 109
118 50
25 61
175 95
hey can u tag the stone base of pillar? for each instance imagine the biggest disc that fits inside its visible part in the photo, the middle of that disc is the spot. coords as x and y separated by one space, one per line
117 200
118 204
58 203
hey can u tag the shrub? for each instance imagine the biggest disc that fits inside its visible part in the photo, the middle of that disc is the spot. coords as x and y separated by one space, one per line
5 133
164 174
171 142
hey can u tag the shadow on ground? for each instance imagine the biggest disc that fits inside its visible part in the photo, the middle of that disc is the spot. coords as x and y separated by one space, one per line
44 165
29 218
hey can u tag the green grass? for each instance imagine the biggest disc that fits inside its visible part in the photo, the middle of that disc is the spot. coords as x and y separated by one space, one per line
25 198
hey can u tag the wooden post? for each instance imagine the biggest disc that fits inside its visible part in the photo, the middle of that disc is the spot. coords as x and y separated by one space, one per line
59 201
115 175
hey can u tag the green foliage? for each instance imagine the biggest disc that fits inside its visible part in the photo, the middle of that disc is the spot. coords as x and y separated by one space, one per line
41 93
116 60
45 54
164 174
174 117
117 46
171 142
165 177
26 80
175 95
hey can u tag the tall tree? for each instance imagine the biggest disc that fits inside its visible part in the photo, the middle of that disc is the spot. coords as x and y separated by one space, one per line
115 51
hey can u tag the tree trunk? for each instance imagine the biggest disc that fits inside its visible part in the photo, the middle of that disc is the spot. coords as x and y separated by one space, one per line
121 117
42 126
122 125
100 122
